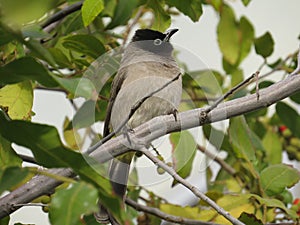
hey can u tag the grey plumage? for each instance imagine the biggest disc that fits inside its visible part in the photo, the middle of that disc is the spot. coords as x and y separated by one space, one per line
147 65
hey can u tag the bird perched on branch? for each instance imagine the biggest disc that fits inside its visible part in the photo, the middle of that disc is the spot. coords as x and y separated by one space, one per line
147 72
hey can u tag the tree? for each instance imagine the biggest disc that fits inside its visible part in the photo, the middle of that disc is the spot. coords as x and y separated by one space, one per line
60 45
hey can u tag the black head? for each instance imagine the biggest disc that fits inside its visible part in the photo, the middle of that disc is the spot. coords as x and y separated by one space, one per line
154 41
147 34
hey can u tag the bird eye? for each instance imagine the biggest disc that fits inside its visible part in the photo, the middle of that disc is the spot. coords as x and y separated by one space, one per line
157 42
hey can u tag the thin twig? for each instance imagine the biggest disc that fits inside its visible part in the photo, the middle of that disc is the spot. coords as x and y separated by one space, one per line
138 15
219 160
62 14
230 92
132 111
189 186
256 85
278 67
167 217
200 99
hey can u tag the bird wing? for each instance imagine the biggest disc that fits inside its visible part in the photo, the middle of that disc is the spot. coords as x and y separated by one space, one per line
116 86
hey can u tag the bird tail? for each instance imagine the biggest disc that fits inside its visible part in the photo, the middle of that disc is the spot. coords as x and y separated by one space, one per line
118 175
119 172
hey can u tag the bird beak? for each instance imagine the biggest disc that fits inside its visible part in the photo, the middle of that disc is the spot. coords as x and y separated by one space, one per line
169 33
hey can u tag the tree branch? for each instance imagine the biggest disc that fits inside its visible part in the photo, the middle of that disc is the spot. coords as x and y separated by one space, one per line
167 217
189 186
62 14
154 129
229 169
135 107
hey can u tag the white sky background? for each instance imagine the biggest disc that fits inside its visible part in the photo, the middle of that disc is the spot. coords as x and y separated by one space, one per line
279 17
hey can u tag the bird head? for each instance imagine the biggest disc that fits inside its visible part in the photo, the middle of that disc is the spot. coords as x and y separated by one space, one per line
154 41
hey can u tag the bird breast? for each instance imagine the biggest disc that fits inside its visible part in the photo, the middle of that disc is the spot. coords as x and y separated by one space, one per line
142 79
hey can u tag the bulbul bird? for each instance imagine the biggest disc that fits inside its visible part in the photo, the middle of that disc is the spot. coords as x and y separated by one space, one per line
146 66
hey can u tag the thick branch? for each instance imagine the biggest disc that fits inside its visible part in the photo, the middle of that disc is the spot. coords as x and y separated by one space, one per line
156 128
37 186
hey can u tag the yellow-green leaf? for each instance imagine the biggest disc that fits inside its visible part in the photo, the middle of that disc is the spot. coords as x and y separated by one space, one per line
235 38
235 205
241 137
18 98
90 10
176 210
184 147
273 146
8 156
275 178
162 20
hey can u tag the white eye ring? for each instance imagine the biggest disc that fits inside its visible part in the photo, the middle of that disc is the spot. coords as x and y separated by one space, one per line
157 41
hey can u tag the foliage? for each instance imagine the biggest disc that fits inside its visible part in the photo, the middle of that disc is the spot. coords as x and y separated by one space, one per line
43 48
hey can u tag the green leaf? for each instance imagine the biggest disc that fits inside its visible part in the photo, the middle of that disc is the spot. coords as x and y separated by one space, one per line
246 2
48 150
234 37
90 10
18 98
217 138
89 113
43 140
5 37
60 58
228 35
246 38
275 178
273 147
11 177
206 81
233 204
249 219
243 141
123 12
34 31
162 19
5 220
25 68
78 87
237 76
109 8
68 205
273 203
85 116
85 44
8 157
39 51
185 212
289 117
72 23
184 152
90 220
190 8
217 4
264 45
296 97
